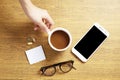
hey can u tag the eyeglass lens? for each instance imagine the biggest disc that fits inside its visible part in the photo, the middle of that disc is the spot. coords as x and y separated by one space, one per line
66 67
50 71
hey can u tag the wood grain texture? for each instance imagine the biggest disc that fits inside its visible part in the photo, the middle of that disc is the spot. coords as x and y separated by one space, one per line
75 15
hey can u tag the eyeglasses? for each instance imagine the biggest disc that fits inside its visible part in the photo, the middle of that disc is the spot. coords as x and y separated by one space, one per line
63 66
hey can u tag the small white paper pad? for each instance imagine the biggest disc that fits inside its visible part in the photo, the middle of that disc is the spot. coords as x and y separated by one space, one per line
35 55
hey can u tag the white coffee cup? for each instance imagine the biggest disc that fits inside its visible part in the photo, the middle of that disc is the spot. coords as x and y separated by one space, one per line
53 32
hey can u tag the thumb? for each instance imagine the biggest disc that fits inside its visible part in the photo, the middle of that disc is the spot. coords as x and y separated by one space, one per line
44 27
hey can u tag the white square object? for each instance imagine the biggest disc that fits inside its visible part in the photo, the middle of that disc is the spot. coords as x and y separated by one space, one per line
35 55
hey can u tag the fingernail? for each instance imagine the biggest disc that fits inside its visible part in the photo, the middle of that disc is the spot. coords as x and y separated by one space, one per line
35 28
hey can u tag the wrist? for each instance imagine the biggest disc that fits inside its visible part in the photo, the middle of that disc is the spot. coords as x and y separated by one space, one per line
26 4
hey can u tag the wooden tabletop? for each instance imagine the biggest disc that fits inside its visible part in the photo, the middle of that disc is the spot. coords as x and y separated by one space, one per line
76 16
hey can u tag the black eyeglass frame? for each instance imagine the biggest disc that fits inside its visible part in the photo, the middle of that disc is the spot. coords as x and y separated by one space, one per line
43 69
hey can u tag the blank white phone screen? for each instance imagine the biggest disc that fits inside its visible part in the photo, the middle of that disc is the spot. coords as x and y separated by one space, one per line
89 43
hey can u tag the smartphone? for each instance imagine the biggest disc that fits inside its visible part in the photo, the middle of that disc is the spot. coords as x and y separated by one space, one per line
86 46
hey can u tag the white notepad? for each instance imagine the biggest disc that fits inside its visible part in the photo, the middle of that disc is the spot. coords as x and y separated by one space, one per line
35 55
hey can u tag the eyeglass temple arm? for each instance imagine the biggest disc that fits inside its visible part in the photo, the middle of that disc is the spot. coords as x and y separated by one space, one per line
73 67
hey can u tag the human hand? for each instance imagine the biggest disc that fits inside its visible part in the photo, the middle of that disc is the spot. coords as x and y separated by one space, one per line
40 18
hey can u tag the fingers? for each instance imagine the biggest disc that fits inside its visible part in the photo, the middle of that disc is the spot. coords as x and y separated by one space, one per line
45 23
44 27
49 20
36 27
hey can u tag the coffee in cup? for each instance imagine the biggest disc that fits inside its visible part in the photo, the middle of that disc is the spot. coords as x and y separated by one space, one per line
59 39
